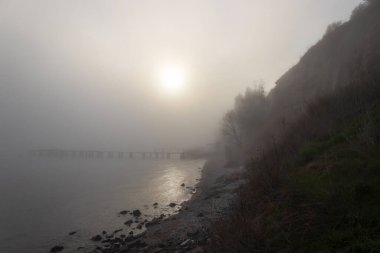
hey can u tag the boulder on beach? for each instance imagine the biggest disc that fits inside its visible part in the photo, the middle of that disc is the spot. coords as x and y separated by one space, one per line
136 213
183 184
123 249
128 222
57 248
117 230
96 238
172 204
73 233
153 222
124 212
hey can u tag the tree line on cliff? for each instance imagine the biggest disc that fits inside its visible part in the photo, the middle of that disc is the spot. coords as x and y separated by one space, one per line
311 147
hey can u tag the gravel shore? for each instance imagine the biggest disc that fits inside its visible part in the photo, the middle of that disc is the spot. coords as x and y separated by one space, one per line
187 231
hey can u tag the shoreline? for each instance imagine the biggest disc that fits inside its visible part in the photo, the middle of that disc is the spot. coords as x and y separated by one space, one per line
187 230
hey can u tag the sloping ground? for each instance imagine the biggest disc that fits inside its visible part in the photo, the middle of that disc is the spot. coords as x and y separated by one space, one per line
188 230
347 53
321 195
315 186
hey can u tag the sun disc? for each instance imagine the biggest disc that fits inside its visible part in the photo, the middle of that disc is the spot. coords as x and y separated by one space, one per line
173 79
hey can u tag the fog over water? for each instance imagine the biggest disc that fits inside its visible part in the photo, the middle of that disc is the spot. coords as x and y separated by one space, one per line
85 74
42 200
127 76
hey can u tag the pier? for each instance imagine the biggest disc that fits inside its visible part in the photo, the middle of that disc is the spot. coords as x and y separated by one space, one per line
96 154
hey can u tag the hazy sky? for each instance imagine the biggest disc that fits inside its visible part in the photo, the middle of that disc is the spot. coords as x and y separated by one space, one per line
85 74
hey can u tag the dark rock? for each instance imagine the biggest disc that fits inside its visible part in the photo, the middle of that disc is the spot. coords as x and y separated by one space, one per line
139 226
183 184
123 249
155 204
73 233
116 240
161 245
162 216
117 230
124 212
192 234
122 235
135 244
57 248
128 222
153 222
172 204
104 232
96 238
133 237
136 213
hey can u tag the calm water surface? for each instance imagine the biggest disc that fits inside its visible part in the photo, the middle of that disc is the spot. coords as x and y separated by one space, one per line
42 200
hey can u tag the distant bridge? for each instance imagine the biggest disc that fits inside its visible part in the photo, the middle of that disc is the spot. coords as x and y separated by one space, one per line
96 154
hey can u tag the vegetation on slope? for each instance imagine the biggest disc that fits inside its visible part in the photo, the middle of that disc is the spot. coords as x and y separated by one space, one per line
315 176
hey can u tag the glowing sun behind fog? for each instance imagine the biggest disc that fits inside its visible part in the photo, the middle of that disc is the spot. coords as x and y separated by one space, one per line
173 79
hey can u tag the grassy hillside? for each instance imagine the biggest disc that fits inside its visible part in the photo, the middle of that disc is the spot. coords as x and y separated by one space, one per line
315 181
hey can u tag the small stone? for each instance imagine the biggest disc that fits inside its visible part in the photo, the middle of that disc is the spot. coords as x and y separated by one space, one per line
172 204
128 222
136 213
117 230
183 184
153 222
57 248
123 249
96 238
73 233
124 212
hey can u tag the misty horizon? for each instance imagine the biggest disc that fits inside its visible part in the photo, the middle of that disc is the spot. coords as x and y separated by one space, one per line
79 77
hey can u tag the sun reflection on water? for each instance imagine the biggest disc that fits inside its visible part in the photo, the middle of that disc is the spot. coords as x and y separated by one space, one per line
170 185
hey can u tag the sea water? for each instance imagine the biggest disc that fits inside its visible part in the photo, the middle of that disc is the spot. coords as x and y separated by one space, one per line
42 200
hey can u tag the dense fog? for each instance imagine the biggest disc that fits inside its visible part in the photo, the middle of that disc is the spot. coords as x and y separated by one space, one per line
85 74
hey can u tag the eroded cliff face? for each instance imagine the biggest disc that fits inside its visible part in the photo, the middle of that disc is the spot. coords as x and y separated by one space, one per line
347 53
